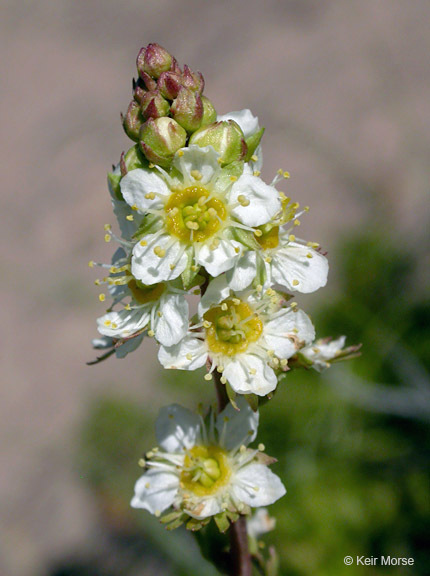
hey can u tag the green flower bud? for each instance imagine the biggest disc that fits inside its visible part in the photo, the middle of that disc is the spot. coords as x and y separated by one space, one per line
226 137
187 109
209 112
169 84
153 105
193 80
153 59
160 139
132 121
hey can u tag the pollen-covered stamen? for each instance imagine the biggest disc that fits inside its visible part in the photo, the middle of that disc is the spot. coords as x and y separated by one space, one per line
193 215
205 470
233 326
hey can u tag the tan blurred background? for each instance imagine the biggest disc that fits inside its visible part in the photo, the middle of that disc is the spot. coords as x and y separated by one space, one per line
343 90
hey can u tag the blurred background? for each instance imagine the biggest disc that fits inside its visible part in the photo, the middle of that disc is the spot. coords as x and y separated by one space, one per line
343 90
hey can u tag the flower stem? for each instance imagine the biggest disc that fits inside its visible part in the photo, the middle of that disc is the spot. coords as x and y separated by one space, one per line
240 558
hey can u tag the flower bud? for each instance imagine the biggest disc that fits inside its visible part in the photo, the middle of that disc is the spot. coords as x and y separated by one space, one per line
227 139
160 138
133 121
193 80
169 84
209 112
153 59
187 109
153 105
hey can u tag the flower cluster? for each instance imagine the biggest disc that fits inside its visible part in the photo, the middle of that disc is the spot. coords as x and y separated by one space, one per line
195 218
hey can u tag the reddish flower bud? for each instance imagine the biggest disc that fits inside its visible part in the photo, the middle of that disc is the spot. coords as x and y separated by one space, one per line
153 59
193 80
133 121
187 109
153 105
169 84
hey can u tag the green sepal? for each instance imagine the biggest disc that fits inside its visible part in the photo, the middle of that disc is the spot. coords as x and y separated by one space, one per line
234 169
272 564
252 400
175 524
167 518
247 238
195 524
232 516
189 275
147 226
231 396
222 522
260 276
252 142
114 180
135 159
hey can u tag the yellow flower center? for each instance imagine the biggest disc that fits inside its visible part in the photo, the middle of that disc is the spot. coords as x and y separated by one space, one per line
206 469
233 326
270 239
192 215
144 294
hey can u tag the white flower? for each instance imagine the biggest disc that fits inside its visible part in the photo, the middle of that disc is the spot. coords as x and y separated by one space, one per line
202 473
246 336
260 523
321 353
160 308
193 212
281 259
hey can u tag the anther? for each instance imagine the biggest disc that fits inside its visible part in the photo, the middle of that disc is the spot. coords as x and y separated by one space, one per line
108 237
224 307
261 447
143 243
291 238
296 282
254 158
256 173
159 251
208 377
130 217
151 333
142 462
196 174
150 196
102 297
91 263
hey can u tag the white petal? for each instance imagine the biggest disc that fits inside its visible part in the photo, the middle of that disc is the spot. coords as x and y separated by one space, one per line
150 268
189 354
176 428
137 184
206 507
221 258
236 428
238 373
217 291
291 264
244 271
264 200
202 160
256 485
123 323
121 210
155 491
288 325
172 325
247 122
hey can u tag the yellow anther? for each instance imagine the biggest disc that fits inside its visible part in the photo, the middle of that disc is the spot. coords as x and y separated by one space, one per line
220 369
268 259
108 237
142 462
150 196
284 362
180 153
159 313
207 324
256 173
258 233
143 243
261 447
233 178
296 222
172 266
97 282
280 172
107 322
196 174
102 297
189 356
151 333
91 263
313 244
194 268
286 175
270 292
147 485
254 158
293 304
130 217
243 200
236 301
212 212
174 211
242 449
192 225
296 282
127 307
270 353
113 269
159 251
157 513
214 244
114 326
295 205
309 255
253 371
134 207
237 249
208 377
202 201
291 238
306 208
151 165
107 227
224 307
259 288
223 380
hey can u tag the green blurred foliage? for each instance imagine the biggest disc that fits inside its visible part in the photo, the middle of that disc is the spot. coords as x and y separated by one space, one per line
356 472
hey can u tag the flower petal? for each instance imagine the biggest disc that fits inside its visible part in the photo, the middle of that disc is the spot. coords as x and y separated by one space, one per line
256 485
217 291
189 354
237 428
263 204
299 268
137 184
177 428
206 507
247 122
203 162
123 323
220 259
283 333
261 381
155 491
172 325
150 268
244 271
